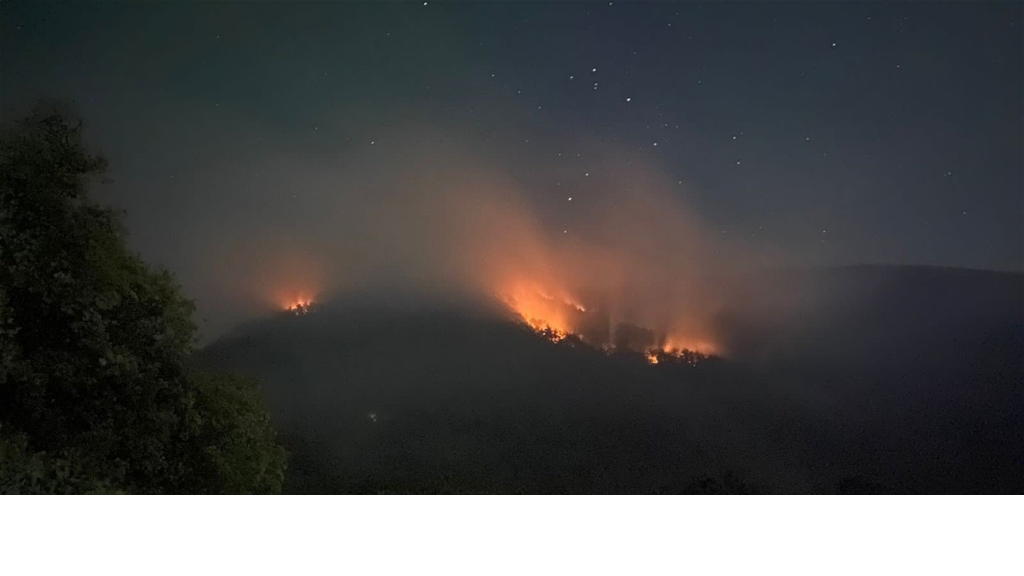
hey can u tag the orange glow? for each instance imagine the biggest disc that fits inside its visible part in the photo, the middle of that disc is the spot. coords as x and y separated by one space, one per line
554 335
297 304
450 222
692 354
575 304
675 345
556 318
541 311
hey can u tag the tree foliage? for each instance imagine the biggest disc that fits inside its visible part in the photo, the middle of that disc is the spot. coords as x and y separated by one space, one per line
240 452
95 390
23 471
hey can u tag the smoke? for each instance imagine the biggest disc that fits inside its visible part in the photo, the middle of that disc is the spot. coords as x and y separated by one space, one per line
422 214
435 219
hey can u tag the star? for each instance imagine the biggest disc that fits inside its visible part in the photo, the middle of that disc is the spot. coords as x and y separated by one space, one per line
629 99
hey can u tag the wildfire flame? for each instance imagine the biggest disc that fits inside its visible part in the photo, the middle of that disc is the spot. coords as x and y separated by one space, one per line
541 311
676 355
298 306
556 318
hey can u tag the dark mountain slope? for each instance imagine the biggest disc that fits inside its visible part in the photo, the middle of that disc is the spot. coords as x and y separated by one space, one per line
855 379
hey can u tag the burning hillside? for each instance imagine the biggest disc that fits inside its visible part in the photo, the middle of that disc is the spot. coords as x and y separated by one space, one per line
558 315
629 269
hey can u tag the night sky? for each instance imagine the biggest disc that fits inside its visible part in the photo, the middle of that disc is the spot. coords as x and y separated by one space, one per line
831 133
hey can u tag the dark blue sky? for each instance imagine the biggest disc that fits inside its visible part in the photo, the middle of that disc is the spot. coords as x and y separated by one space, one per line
838 133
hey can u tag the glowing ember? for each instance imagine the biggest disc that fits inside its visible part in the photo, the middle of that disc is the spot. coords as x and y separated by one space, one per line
299 307
553 335
652 357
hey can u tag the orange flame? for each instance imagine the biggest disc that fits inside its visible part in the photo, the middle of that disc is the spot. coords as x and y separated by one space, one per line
541 311
297 304
558 318
676 345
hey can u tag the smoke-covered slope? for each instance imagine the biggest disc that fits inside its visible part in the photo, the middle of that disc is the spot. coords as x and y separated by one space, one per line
856 379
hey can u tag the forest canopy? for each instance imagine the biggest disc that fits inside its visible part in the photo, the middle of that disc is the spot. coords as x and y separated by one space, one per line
97 391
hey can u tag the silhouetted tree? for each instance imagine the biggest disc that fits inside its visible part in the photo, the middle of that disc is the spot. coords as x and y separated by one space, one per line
95 394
